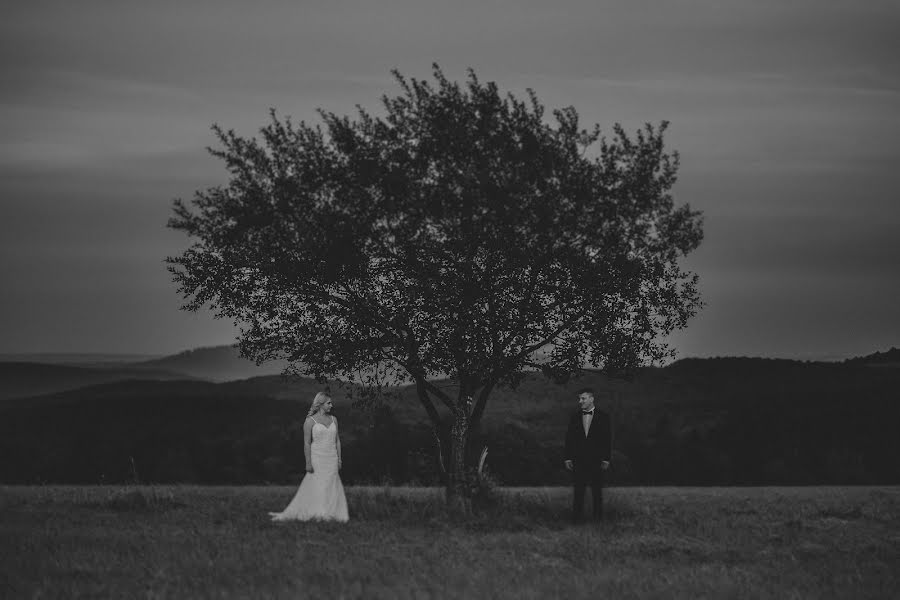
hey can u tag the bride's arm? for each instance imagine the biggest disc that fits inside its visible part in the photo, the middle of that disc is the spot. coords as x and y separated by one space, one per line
307 441
337 441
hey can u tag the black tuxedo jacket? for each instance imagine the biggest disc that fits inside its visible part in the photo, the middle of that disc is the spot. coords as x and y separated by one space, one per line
588 451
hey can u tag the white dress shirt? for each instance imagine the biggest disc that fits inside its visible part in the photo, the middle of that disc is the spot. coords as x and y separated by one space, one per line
586 421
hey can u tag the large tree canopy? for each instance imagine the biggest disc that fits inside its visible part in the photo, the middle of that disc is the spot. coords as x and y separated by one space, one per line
461 233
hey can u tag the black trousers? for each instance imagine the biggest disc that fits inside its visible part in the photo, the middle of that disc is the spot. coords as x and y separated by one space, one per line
584 478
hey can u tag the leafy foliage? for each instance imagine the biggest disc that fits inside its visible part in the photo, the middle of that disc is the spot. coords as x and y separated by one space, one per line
458 234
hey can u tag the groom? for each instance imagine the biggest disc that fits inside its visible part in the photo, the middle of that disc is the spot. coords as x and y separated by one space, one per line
588 452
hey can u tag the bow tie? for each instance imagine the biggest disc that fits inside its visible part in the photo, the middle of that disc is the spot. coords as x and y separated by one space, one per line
587 412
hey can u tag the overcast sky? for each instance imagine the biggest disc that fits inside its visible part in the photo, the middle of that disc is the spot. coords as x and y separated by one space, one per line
786 115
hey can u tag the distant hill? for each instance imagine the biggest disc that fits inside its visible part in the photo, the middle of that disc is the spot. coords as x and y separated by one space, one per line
21 379
720 421
889 358
217 363
78 359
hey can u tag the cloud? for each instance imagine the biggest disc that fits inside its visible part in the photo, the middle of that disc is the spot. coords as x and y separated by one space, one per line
785 115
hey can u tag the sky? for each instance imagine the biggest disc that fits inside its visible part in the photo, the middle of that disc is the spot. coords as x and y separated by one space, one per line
786 115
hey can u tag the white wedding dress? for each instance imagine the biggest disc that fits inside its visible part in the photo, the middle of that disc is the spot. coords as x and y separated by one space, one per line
321 493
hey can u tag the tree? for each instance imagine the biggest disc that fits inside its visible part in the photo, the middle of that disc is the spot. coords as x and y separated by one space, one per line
461 234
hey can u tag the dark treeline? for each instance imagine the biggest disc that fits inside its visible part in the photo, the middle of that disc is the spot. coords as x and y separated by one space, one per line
697 422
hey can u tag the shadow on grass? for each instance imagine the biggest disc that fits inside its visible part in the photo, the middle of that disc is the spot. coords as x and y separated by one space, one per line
504 511
141 500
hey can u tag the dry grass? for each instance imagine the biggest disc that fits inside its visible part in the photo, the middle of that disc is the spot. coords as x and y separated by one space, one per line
204 542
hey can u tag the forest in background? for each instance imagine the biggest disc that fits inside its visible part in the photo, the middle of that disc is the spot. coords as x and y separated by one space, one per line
717 421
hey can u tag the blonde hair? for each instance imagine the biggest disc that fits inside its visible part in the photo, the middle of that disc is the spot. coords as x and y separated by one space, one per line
320 399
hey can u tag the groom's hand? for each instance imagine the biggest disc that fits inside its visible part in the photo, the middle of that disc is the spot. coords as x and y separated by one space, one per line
570 466
309 469
604 465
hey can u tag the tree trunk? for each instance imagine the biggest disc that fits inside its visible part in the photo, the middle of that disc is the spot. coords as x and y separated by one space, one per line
459 489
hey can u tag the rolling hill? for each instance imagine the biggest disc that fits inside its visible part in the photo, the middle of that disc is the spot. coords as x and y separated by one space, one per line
889 358
77 359
721 421
23 379
216 363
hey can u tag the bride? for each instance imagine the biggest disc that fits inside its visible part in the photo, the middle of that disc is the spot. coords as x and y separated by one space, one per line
321 493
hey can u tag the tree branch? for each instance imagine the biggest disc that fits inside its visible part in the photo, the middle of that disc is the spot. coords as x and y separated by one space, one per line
425 400
430 387
478 411
536 346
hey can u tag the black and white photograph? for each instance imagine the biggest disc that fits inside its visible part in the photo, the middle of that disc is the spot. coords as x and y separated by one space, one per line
417 299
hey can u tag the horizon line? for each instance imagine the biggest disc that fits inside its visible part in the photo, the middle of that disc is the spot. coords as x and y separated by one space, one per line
46 355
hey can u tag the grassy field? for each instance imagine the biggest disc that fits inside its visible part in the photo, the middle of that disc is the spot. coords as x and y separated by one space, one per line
217 542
